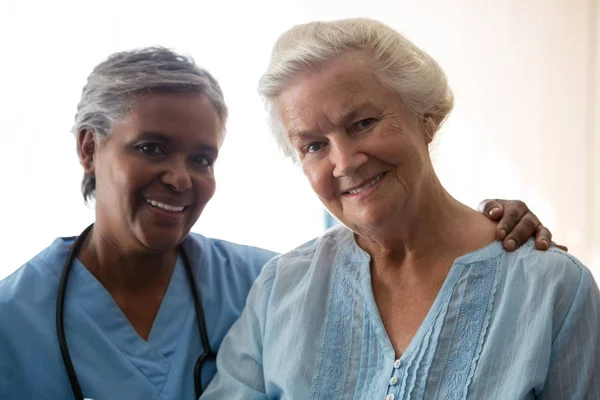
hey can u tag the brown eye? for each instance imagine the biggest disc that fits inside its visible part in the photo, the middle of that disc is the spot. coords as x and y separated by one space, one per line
204 160
150 149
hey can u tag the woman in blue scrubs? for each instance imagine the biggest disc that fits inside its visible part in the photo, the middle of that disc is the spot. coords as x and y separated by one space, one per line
148 128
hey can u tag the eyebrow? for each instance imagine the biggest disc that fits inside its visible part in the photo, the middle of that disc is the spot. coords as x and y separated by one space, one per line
346 118
158 136
356 110
304 134
166 139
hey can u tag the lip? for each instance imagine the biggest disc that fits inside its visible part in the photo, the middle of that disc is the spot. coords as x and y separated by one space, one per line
168 202
365 192
363 183
164 215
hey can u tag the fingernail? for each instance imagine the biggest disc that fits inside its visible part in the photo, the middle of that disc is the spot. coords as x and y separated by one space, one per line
546 244
511 244
502 233
493 211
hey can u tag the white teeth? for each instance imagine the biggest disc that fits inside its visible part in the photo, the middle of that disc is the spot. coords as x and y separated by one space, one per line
368 185
164 206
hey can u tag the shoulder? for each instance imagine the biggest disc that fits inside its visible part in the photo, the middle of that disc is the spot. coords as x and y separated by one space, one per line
35 279
553 281
314 260
28 302
335 240
528 280
551 268
222 252
228 266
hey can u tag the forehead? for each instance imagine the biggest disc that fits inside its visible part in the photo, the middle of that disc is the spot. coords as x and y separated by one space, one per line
189 115
334 89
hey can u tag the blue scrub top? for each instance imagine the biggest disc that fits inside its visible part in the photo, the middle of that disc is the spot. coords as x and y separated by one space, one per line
110 359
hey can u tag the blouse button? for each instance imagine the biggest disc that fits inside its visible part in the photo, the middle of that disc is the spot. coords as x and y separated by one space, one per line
394 380
397 364
390 397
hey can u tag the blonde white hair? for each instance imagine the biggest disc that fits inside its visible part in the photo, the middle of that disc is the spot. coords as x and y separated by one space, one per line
397 62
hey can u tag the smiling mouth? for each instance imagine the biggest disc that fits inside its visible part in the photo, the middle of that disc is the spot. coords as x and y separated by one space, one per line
367 185
166 207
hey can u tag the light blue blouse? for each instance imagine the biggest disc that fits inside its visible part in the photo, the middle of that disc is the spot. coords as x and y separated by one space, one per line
111 360
519 325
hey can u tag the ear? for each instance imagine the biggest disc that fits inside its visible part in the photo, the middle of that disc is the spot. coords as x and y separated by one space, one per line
429 128
86 145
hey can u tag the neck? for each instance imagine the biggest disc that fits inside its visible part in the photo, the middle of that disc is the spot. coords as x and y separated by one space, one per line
124 271
432 228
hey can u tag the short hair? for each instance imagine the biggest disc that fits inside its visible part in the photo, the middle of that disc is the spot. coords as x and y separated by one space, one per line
115 84
397 63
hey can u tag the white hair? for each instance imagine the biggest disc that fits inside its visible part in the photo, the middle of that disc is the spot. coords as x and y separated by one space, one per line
397 63
115 84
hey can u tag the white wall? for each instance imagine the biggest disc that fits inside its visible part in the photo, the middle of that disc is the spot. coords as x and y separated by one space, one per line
594 138
526 123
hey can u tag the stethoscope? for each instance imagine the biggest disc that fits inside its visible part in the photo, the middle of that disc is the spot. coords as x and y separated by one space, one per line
207 353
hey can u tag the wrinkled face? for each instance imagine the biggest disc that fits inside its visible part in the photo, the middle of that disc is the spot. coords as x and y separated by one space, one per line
363 152
154 171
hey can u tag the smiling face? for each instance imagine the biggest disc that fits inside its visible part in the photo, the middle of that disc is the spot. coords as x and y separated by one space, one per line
154 171
365 155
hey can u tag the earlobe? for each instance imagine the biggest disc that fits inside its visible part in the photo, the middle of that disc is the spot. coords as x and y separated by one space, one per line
86 146
429 128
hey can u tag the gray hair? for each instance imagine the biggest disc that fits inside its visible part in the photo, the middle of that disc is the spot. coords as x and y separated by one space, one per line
397 63
115 84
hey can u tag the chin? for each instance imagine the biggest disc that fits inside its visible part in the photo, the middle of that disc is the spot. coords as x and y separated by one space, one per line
360 227
368 219
161 241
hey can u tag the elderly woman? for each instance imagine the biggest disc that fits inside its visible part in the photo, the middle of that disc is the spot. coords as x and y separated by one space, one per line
413 298
117 312
136 306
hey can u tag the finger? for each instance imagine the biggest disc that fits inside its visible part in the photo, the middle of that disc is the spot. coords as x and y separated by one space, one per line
543 238
523 230
507 223
560 246
491 208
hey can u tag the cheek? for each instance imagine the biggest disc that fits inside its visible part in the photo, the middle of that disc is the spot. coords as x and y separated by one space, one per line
114 180
320 177
403 149
205 189
127 180
130 178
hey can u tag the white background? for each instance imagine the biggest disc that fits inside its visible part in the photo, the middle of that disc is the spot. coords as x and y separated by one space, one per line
526 123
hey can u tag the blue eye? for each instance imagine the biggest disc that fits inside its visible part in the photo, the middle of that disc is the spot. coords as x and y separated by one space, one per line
365 123
314 147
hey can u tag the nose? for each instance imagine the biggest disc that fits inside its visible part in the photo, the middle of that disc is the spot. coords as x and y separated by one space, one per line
177 176
346 158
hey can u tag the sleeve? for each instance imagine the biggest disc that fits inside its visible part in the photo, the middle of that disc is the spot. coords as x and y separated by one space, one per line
239 360
574 371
